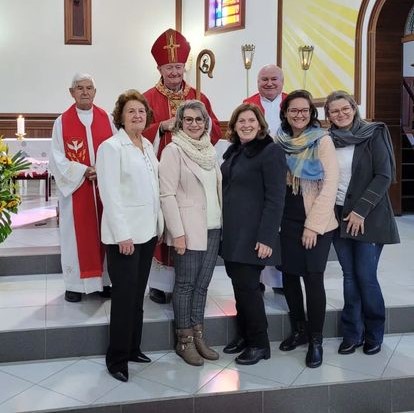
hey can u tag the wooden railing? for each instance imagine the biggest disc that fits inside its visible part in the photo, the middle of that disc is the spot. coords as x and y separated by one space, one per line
37 125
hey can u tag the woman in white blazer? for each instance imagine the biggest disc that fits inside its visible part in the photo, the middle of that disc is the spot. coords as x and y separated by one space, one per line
190 189
127 171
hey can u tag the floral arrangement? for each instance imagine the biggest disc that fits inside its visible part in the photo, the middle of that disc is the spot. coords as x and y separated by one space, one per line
10 166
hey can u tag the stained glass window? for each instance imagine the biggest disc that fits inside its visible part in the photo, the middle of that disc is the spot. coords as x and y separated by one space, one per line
224 15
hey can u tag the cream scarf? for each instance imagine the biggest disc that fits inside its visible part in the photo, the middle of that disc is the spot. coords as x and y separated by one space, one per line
201 151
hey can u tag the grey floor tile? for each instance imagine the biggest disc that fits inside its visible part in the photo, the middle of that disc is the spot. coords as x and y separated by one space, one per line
215 330
22 345
313 399
237 402
53 264
366 397
402 394
156 335
76 341
35 264
162 406
401 319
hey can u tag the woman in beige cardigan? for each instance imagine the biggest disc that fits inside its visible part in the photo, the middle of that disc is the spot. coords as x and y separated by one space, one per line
190 191
308 219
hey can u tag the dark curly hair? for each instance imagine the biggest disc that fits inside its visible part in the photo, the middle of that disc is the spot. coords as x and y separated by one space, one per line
313 121
125 97
232 135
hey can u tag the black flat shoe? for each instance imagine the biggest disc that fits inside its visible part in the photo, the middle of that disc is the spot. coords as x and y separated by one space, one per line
106 292
140 358
120 375
253 355
370 349
235 346
157 296
347 347
73 296
297 338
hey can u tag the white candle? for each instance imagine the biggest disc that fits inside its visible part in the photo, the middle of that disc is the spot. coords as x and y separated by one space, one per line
20 125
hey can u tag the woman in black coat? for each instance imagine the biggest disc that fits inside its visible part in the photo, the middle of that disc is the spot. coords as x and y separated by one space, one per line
254 172
367 168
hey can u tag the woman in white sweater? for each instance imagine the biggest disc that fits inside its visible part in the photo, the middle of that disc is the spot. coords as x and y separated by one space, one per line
127 171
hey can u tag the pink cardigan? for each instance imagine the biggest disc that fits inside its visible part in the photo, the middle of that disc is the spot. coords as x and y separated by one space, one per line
183 198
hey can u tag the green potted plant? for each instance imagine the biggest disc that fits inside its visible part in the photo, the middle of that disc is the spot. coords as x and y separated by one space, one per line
10 166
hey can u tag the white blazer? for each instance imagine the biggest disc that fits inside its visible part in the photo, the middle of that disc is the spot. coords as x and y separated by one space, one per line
129 190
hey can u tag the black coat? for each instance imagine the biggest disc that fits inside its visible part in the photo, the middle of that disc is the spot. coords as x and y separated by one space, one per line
254 185
367 193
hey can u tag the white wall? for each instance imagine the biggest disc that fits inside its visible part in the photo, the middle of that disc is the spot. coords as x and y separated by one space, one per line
36 66
227 88
40 66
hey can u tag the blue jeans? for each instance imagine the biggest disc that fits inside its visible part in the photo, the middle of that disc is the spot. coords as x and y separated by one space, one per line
363 315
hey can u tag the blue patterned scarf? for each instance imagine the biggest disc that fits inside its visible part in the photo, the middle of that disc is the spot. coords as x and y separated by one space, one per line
302 158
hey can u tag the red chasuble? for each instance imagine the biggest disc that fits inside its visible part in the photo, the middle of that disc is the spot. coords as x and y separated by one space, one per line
255 100
165 107
86 206
164 104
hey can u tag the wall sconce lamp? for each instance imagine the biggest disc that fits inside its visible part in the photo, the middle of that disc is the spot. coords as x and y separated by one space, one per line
247 54
305 56
305 53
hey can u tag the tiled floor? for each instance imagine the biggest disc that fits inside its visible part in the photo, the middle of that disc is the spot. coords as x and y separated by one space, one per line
36 301
84 381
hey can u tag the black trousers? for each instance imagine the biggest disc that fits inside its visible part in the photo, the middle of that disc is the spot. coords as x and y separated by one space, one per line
129 276
315 299
251 315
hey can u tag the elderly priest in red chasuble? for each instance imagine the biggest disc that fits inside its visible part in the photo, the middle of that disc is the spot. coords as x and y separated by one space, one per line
170 51
76 136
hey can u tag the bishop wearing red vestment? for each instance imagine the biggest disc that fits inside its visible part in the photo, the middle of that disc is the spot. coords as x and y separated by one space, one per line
170 51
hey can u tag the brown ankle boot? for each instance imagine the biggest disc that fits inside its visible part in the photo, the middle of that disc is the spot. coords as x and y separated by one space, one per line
201 346
186 349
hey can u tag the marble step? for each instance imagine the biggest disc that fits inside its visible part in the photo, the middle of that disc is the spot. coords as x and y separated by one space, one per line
35 260
355 383
83 339
28 261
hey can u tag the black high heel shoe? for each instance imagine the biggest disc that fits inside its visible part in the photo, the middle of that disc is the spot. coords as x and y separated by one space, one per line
235 346
119 375
140 357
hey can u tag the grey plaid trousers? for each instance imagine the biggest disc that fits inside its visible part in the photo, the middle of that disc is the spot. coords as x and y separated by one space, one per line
193 273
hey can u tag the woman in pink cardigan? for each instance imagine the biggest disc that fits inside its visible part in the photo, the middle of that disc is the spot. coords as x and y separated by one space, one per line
190 192
308 220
